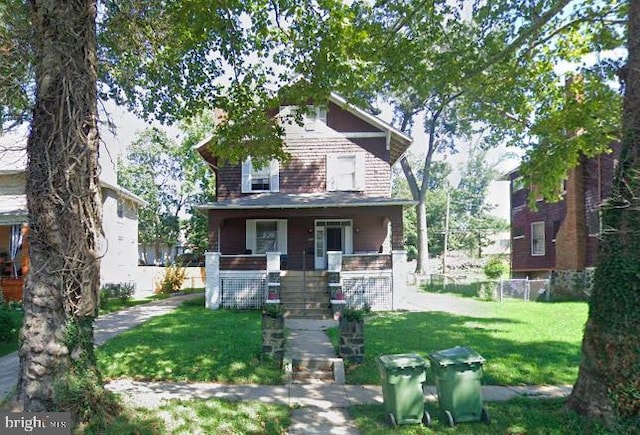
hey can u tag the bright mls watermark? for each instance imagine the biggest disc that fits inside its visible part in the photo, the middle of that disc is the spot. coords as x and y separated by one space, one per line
37 423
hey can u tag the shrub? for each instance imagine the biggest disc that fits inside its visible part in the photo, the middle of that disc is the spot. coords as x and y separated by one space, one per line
355 314
124 291
495 268
172 280
8 327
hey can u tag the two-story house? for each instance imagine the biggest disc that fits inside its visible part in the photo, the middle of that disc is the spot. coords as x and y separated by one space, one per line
559 240
119 261
328 209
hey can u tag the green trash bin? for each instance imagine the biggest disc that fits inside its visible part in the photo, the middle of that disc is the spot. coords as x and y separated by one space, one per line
458 375
402 377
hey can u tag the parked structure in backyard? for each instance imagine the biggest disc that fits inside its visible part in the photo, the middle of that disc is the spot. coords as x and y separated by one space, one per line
321 227
560 240
120 223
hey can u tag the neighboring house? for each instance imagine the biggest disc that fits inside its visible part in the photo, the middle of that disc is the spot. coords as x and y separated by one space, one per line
562 236
120 222
329 208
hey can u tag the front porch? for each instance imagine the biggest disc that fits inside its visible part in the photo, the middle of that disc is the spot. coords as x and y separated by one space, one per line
14 260
248 281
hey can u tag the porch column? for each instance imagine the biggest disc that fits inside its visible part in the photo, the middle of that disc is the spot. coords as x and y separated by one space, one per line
398 277
213 296
273 276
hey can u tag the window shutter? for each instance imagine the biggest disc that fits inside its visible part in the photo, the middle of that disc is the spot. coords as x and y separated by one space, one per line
274 176
360 172
246 175
250 243
282 236
330 173
348 239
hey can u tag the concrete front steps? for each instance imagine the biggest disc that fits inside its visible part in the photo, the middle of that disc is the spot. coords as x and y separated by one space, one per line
305 295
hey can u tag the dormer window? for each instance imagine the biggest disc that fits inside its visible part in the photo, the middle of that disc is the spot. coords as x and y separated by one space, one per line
314 114
262 179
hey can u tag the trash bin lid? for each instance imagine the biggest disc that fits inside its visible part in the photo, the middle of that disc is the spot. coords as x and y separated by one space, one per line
402 360
456 355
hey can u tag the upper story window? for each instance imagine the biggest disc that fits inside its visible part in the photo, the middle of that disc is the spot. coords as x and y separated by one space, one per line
537 238
345 172
120 208
314 115
518 184
262 179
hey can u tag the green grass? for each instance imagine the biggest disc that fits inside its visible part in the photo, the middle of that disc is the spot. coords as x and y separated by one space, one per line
211 416
116 304
524 343
191 344
514 417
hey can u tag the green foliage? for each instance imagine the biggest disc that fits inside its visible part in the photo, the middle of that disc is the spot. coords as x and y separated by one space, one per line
153 171
273 310
180 347
495 268
171 282
123 291
8 326
355 314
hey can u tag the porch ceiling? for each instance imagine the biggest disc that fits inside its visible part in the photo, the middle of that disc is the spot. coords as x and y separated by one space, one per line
311 200
13 209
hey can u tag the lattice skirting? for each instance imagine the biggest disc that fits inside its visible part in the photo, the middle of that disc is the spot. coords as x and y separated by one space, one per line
372 290
243 293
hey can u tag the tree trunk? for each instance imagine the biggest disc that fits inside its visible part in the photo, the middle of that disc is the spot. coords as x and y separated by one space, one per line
63 197
422 260
608 384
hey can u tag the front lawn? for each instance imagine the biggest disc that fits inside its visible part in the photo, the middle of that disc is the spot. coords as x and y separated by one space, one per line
191 344
514 417
211 416
525 343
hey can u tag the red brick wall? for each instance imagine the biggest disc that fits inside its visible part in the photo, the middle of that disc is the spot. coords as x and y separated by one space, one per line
369 229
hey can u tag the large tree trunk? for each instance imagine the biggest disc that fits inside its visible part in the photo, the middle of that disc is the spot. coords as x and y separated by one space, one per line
422 260
608 384
63 198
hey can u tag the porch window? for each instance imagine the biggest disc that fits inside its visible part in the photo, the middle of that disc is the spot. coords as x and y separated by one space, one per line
266 235
262 179
345 172
537 239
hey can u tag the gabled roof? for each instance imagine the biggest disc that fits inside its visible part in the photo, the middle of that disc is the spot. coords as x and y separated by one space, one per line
397 141
305 200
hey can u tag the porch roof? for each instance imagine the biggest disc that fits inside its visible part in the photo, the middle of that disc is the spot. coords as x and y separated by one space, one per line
13 209
303 200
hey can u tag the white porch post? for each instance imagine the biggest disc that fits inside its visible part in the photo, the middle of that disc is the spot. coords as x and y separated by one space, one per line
273 262
334 261
213 295
398 277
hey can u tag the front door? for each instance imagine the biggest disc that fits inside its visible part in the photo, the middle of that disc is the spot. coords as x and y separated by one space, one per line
333 235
